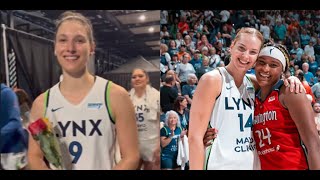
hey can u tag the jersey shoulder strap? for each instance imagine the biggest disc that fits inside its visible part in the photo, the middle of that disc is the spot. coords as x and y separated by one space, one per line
107 101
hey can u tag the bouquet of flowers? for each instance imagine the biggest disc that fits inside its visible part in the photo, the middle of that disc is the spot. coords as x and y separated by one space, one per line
42 131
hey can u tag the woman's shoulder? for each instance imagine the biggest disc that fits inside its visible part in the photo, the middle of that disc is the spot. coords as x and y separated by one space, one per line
164 130
102 79
210 76
116 89
38 106
40 100
154 93
152 89
210 82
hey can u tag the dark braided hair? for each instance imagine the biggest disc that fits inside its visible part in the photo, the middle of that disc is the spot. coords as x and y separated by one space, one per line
284 51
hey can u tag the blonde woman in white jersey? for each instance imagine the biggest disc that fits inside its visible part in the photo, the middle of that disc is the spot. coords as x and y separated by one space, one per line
146 101
88 112
224 100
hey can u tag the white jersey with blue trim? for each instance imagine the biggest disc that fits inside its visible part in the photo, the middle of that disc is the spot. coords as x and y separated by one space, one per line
234 147
85 131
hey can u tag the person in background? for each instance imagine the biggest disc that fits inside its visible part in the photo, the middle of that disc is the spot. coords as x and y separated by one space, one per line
13 139
176 84
308 76
189 89
297 52
175 62
25 106
165 59
169 135
181 107
204 68
183 70
214 58
301 77
146 101
316 88
167 94
316 110
89 113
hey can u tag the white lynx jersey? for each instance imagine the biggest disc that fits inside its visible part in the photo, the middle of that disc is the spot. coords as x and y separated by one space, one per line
85 131
234 147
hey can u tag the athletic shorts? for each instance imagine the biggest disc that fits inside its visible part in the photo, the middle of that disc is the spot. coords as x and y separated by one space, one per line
146 148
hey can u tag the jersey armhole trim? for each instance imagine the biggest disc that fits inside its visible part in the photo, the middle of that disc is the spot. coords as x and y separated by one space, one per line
46 102
207 152
107 99
254 90
221 81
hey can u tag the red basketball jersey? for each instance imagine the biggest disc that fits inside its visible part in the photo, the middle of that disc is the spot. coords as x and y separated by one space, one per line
276 135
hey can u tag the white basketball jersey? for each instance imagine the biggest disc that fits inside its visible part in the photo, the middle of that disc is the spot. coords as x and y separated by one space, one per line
234 148
85 131
147 109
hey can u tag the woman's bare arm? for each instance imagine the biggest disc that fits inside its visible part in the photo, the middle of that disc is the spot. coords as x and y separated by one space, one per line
208 89
126 127
302 114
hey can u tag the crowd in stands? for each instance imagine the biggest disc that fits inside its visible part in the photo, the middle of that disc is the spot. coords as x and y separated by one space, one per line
194 42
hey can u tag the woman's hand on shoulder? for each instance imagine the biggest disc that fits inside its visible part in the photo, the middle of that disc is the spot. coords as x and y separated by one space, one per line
294 84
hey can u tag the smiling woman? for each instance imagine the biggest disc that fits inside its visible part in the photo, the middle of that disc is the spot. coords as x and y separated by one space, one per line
277 126
146 100
216 101
86 110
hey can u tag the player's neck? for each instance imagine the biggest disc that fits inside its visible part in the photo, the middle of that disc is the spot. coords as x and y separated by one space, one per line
139 92
181 109
238 76
172 126
70 83
265 91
